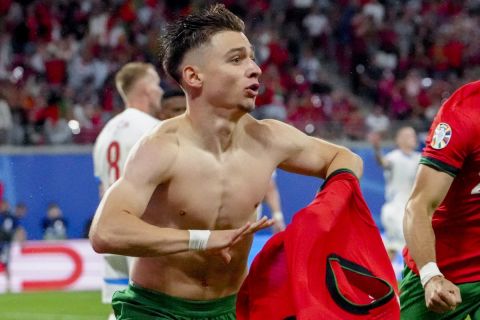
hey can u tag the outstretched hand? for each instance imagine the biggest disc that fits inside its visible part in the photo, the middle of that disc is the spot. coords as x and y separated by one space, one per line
441 295
221 241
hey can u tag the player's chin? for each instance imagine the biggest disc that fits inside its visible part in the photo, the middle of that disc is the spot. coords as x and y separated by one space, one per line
248 105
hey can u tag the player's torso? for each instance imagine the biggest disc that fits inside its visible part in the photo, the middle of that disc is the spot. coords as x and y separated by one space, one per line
461 205
456 221
401 175
462 201
206 192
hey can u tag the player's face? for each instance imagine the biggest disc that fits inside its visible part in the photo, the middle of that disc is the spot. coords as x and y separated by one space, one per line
407 138
154 91
230 73
172 107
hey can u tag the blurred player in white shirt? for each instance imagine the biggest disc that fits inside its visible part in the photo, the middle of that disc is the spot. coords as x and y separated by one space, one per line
139 86
400 167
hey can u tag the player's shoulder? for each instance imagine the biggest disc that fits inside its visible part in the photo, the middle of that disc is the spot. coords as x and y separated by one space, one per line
465 99
155 151
163 134
272 128
161 140
267 132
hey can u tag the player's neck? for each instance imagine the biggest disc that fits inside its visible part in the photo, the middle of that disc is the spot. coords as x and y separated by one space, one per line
215 127
406 150
139 104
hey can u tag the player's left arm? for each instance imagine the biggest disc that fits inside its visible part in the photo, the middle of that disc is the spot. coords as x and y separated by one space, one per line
430 188
303 154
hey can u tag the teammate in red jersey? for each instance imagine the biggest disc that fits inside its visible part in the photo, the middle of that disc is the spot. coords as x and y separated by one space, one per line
442 217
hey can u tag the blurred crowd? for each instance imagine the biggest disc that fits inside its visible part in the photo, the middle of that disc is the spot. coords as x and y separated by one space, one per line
336 69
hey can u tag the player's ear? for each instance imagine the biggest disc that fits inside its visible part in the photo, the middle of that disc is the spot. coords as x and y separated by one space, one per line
192 76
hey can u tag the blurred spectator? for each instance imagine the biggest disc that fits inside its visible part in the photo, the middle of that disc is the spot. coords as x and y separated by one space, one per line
19 213
173 104
54 224
376 10
354 125
377 122
57 131
6 122
396 58
8 228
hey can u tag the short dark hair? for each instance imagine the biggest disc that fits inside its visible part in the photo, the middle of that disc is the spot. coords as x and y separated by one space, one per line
191 31
172 93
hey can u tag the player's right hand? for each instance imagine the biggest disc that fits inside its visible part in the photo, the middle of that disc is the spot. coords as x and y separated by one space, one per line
220 241
441 295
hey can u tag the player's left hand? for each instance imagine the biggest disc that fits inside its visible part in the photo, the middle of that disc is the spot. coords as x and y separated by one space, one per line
221 241
441 295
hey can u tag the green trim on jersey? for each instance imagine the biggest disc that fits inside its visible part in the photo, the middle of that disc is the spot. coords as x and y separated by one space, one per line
439 166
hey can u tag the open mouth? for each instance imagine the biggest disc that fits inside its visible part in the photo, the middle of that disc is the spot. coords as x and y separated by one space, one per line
253 89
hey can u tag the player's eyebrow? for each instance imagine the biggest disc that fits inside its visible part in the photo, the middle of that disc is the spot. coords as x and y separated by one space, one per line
240 50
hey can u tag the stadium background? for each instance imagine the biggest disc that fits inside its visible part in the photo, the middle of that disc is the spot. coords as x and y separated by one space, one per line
327 66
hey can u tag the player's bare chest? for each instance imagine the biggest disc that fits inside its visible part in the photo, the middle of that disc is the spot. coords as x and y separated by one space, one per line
236 167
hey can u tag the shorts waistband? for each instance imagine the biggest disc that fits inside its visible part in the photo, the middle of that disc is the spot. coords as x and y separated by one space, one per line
185 306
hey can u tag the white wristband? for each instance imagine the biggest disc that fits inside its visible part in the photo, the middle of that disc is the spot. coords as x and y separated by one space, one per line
277 215
429 271
198 239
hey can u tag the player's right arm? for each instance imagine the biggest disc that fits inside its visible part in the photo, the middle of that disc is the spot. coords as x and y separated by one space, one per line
117 226
431 187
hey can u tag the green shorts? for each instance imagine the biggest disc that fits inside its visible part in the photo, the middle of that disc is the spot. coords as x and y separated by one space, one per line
136 303
412 300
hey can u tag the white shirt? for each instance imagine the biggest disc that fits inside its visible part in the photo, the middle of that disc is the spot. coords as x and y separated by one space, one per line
400 174
115 141
6 121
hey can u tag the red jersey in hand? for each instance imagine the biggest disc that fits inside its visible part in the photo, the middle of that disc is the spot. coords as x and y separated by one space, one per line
330 263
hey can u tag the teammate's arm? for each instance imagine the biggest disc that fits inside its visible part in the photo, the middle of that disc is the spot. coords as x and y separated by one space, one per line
430 188
117 226
375 140
272 198
311 156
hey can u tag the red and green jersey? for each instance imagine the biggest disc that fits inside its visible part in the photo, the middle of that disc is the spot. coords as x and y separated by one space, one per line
453 146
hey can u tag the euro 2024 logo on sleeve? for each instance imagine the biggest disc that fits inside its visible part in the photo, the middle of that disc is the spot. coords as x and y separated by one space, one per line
441 136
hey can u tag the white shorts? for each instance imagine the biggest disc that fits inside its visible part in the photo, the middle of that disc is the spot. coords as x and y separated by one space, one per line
115 275
392 221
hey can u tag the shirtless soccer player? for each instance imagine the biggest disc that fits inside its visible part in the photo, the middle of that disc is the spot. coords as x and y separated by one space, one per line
185 204
139 86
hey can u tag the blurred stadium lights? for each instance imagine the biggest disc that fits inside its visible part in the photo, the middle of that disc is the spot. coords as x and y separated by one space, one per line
74 125
427 82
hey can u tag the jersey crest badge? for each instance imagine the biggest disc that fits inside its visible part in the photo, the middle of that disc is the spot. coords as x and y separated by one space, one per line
441 136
